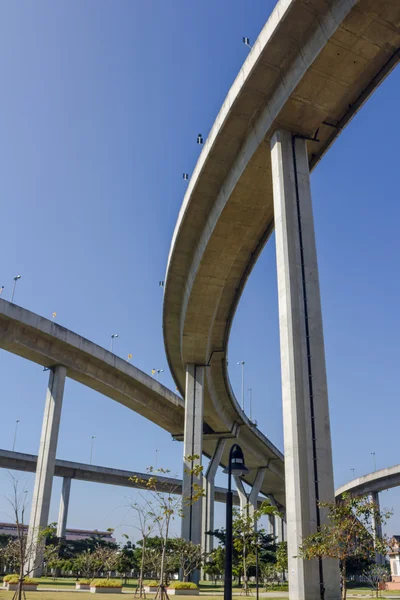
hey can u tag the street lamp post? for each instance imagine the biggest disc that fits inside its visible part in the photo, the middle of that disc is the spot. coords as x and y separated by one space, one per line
373 455
157 372
242 365
257 571
251 404
91 448
236 466
113 336
15 283
15 434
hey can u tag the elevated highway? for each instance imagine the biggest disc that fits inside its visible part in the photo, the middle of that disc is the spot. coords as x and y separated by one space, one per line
20 461
313 66
47 343
373 483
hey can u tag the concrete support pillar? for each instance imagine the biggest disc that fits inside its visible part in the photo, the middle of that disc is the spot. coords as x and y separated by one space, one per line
243 500
64 504
208 498
272 526
307 438
255 492
45 470
377 528
192 447
279 529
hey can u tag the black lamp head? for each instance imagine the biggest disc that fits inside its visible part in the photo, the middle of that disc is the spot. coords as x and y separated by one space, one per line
238 466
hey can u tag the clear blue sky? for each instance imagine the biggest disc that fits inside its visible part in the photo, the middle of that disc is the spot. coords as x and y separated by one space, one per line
100 105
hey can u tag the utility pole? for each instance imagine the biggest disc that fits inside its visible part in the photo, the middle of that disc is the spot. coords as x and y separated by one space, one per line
242 365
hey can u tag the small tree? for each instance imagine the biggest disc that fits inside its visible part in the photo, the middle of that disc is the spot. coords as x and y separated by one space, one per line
90 563
247 541
376 575
20 551
347 534
164 505
127 558
146 525
282 559
270 574
188 556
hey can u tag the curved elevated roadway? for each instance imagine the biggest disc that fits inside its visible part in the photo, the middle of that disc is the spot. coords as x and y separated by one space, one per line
311 69
20 461
47 343
375 482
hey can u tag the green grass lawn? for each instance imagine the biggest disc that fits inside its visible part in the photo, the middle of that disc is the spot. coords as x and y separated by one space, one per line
49 595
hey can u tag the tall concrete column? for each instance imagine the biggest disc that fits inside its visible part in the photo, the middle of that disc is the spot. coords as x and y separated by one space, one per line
208 498
243 500
272 526
377 528
45 469
279 529
64 504
255 492
307 438
192 447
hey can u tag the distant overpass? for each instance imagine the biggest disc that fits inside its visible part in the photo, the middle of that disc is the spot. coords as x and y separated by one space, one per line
19 461
373 483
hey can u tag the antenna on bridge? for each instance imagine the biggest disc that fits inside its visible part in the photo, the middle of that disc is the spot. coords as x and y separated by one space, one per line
246 42
199 139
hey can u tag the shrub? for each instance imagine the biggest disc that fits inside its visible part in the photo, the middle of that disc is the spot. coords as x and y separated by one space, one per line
183 585
15 578
84 581
151 583
7 578
106 583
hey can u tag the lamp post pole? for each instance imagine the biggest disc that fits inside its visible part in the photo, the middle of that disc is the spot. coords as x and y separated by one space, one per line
257 574
15 283
113 336
373 455
242 363
228 541
91 448
235 464
15 434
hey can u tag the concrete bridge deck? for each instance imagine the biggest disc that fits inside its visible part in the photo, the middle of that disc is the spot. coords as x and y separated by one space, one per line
47 343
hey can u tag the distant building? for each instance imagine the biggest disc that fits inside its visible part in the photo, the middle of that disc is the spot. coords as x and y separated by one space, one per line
72 535
394 556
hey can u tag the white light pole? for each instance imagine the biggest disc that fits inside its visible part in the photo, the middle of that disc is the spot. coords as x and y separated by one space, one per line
242 364
157 451
113 336
353 471
15 283
373 455
15 434
91 448
251 403
158 371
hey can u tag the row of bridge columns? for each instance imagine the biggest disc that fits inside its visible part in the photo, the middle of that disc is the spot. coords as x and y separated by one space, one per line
307 438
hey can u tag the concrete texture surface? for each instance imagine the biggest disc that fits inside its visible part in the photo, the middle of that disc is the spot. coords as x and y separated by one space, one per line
19 461
41 496
47 343
306 428
312 67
